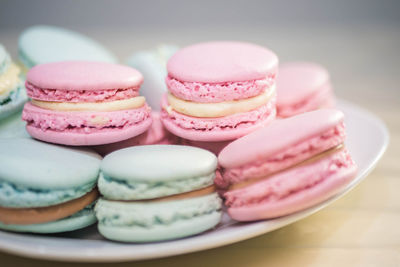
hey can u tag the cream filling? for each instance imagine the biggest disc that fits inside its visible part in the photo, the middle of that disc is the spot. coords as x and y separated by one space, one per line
9 80
221 109
131 103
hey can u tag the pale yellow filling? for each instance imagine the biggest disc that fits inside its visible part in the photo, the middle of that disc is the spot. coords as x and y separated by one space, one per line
131 103
9 80
221 109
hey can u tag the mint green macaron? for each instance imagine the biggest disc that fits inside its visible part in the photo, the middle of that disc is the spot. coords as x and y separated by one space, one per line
147 193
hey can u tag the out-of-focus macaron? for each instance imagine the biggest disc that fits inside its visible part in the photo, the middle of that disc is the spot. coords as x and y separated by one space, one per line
157 192
46 188
156 134
13 127
43 44
12 93
290 165
85 103
219 91
302 87
153 65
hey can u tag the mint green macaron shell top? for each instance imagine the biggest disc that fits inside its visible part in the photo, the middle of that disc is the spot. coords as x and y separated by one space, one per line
37 174
157 221
43 44
146 172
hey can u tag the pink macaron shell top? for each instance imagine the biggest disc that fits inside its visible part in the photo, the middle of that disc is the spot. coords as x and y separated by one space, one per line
87 122
222 61
83 75
54 95
218 92
323 98
292 190
279 136
297 81
156 134
217 129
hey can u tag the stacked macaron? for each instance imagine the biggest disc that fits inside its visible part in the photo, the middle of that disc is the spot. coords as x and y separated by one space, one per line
302 87
46 188
44 44
85 103
12 93
219 91
158 192
306 162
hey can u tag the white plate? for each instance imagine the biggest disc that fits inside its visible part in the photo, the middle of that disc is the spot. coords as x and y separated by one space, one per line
367 140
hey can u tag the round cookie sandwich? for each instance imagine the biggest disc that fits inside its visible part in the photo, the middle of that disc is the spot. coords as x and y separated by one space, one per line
157 192
305 163
46 188
82 103
12 93
302 87
219 91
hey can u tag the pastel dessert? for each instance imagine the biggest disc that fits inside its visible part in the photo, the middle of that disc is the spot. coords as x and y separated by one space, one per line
219 91
43 44
302 87
304 163
157 192
152 64
13 127
82 103
156 134
12 93
46 188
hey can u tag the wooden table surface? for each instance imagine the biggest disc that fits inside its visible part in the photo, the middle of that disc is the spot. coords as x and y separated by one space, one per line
362 228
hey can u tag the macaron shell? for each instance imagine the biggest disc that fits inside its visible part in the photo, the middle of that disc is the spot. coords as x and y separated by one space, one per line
77 221
83 139
176 230
173 163
84 75
299 80
13 127
43 44
157 221
216 135
224 61
5 60
32 164
297 201
254 146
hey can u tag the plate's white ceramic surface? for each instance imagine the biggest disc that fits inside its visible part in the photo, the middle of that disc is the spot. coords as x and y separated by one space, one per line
367 140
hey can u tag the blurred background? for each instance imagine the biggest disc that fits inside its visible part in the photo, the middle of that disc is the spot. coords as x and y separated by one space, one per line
357 40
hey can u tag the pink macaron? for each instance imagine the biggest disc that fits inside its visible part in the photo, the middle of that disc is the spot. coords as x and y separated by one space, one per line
290 165
302 87
156 134
219 91
85 103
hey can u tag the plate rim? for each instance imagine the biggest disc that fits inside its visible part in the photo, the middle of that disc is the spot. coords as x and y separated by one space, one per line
251 230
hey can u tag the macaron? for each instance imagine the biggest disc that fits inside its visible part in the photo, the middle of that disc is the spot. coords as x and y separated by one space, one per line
43 44
219 91
13 127
156 134
12 93
46 188
83 103
302 87
157 192
290 165
152 64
